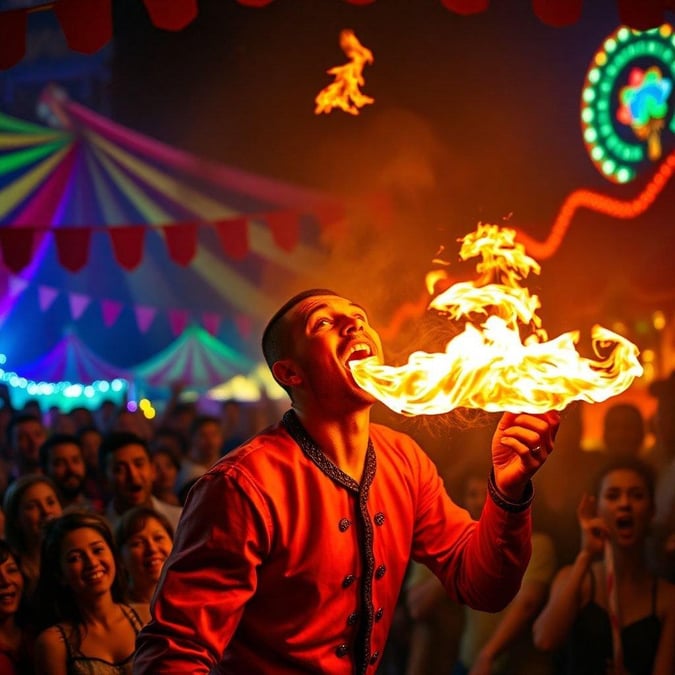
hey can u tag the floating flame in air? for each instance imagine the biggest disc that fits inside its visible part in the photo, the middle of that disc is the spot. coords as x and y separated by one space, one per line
345 92
490 366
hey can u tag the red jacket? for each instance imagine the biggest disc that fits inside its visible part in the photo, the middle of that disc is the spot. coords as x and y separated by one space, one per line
283 564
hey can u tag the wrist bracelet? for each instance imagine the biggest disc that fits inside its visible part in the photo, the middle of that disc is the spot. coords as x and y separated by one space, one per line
500 500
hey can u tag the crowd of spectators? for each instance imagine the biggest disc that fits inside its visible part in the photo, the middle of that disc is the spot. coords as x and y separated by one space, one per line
91 501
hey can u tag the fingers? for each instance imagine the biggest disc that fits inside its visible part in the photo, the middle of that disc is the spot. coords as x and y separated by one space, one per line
526 432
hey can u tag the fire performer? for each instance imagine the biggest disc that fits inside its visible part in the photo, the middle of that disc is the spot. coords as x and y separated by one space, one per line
292 549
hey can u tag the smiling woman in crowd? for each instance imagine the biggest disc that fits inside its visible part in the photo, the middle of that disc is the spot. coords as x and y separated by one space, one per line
81 593
144 539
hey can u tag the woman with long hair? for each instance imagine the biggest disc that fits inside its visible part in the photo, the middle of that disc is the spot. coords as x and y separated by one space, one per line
15 636
30 502
144 539
607 611
81 592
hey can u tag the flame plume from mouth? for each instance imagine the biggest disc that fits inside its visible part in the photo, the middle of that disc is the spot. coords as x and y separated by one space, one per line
490 366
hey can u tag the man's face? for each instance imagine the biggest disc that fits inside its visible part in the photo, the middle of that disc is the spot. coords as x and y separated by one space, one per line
207 442
325 333
66 468
29 435
130 473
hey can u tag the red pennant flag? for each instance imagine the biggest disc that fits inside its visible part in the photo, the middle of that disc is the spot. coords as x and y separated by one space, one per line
144 317
78 303
46 297
211 322
641 14
233 235
466 7
72 246
558 13
127 242
13 25
181 240
111 310
87 24
178 319
171 14
285 228
17 247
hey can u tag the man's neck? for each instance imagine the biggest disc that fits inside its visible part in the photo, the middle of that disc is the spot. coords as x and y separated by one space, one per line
343 439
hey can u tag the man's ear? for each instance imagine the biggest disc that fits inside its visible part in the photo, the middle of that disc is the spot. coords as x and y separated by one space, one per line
285 373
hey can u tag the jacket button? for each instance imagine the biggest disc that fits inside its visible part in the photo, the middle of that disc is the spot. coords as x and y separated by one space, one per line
379 519
342 650
344 524
379 614
380 571
351 619
374 657
348 581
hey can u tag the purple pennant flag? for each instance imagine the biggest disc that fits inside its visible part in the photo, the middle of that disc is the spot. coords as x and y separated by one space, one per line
78 303
178 319
211 321
46 297
111 310
144 317
17 286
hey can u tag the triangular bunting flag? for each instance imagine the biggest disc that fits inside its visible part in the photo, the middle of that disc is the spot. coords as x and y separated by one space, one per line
16 286
244 325
12 37
87 25
46 297
181 240
72 246
233 235
171 14
178 319
211 322
17 247
78 303
127 242
285 228
144 317
111 310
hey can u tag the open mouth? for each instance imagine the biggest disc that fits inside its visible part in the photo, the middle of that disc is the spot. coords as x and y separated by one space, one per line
358 351
624 523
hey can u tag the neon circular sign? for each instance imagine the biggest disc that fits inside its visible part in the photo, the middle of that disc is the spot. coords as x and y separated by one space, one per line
627 101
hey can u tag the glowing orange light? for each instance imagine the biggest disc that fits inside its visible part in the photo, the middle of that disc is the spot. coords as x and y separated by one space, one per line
345 92
491 366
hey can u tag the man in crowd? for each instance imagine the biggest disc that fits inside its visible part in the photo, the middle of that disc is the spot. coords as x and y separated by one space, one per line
127 465
292 549
25 434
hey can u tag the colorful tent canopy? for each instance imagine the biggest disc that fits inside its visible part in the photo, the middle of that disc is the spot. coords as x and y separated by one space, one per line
124 241
209 362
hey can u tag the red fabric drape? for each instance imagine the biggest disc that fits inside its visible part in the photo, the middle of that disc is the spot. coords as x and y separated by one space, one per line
181 240
12 37
233 235
558 13
17 247
72 247
285 229
127 242
87 24
171 14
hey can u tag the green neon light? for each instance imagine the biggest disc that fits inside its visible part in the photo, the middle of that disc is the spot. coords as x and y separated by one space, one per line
614 151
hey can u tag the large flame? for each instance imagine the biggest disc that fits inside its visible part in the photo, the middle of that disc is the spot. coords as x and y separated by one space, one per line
491 366
345 92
